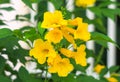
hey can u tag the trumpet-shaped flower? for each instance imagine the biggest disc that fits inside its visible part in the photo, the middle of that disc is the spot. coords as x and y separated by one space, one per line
84 3
112 79
98 68
42 50
82 32
54 36
53 19
80 56
61 66
66 52
75 21
67 33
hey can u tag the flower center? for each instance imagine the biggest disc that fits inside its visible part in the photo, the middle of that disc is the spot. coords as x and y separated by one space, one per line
45 51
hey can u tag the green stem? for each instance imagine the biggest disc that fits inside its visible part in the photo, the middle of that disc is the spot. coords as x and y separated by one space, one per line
100 55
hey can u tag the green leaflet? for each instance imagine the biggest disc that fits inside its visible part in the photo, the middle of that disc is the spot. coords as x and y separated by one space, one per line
99 37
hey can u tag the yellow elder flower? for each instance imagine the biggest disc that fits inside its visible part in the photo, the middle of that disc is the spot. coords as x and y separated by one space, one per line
53 19
67 29
84 3
112 79
42 50
67 35
82 32
98 68
66 52
80 55
61 66
54 36
75 21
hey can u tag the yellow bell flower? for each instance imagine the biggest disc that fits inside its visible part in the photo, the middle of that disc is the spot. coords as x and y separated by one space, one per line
80 55
61 66
84 3
75 22
112 79
54 36
66 52
53 19
82 32
98 68
67 33
41 50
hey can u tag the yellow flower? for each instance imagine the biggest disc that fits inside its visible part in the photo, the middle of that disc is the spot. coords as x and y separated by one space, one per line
75 21
80 55
61 66
84 3
67 29
66 52
112 79
82 32
67 33
98 68
54 36
52 20
42 50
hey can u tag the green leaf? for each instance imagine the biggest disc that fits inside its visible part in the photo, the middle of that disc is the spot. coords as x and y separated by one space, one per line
20 54
31 34
10 69
41 10
18 80
26 77
28 3
41 30
103 43
66 14
35 1
83 78
18 33
4 79
102 79
23 74
103 72
106 3
55 78
118 78
25 17
1 22
69 78
118 11
2 63
114 69
111 13
99 25
90 53
4 1
57 3
5 32
96 10
7 8
101 37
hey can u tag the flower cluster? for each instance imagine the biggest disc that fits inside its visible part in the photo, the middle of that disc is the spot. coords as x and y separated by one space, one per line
84 3
59 29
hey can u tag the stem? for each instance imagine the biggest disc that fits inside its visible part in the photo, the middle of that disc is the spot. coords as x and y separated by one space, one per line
99 55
